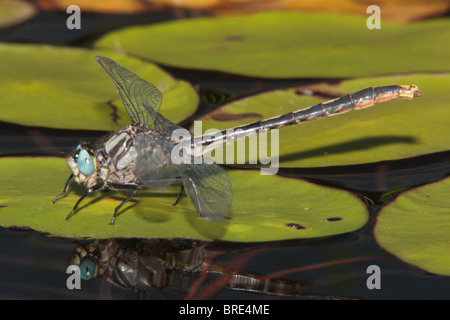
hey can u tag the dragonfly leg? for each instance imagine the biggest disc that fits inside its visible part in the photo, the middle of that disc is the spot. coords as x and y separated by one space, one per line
179 196
78 203
90 190
66 187
123 203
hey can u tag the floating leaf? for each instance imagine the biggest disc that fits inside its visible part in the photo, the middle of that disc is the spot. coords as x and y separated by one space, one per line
265 208
194 4
287 44
102 6
391 10
415 227
14 12
391 130
66 88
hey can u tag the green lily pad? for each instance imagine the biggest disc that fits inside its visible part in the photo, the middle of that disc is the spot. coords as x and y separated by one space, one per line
265 208
415 227
391 130
289 44
66 88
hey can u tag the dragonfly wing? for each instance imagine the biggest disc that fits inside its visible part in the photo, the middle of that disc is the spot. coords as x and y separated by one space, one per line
162 124
154 167
208 186
133 90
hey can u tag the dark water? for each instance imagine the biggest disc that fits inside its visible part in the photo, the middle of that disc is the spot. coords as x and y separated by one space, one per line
33 266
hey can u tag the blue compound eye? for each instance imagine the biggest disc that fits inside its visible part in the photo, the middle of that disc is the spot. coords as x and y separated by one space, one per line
85 162
88 269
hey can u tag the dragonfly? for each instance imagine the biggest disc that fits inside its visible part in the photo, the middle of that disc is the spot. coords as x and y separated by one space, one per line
140 154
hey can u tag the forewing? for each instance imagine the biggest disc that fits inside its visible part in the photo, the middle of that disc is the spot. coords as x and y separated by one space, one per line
133 90
162 124
208 186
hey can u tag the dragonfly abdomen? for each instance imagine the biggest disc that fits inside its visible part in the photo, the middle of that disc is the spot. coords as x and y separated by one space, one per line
362 99
359 100
252 282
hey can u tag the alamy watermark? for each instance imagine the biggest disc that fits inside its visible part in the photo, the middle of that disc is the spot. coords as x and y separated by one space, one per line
74 21
74 280
374 21
374 280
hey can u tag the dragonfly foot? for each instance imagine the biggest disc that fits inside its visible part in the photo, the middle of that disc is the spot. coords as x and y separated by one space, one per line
180 195
69 215
58 196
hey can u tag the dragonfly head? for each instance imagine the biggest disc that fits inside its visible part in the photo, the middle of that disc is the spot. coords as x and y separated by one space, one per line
87 260
83 164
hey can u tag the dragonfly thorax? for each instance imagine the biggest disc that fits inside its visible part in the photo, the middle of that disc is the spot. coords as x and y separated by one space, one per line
116 157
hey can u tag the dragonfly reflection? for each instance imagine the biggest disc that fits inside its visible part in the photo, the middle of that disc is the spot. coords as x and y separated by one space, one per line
144 265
